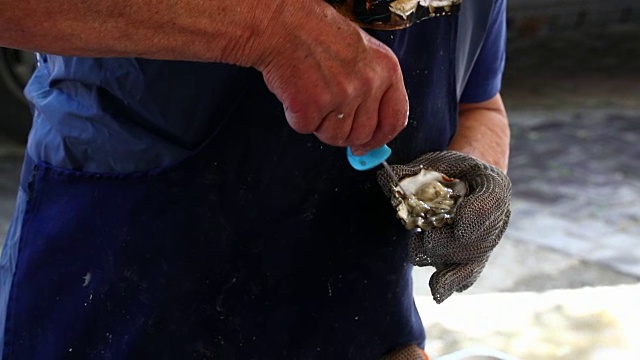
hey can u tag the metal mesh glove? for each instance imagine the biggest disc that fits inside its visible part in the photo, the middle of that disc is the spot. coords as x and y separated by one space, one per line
458 251
409 352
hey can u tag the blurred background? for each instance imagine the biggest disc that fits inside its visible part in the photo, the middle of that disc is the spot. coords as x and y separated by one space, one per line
564 282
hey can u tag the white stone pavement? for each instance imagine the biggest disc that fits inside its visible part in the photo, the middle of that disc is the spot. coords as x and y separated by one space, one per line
585 324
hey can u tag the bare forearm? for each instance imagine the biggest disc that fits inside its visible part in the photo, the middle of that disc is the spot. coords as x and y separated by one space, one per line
229 31
483 132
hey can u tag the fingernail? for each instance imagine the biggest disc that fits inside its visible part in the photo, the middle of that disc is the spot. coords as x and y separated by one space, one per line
358 152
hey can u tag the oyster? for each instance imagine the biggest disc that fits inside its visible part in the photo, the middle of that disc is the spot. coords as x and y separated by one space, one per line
428 200
393 14
403 8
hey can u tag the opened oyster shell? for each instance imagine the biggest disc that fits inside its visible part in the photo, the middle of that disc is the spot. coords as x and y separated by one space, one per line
428 200
393 14
404 8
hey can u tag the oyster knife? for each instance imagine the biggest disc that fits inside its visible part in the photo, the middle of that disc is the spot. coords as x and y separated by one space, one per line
372 159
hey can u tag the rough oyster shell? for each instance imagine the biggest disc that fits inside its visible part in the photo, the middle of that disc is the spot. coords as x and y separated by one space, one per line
428 200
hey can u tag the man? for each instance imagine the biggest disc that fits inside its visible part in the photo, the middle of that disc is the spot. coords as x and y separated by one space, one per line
169 205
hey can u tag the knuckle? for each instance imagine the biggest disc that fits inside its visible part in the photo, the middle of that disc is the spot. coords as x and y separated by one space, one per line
391 65
301 122
370 79
322 103
347 88
302 127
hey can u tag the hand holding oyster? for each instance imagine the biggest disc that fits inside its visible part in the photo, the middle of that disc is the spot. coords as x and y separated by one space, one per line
460 216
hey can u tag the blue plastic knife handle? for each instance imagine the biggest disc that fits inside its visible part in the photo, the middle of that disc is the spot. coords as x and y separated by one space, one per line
369 160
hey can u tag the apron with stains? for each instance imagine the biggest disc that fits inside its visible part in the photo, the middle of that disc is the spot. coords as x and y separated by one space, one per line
262 243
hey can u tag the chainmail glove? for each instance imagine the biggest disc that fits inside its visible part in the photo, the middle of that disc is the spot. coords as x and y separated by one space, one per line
409 352
458 250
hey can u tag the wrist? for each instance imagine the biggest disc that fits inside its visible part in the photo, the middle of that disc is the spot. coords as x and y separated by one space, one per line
288 31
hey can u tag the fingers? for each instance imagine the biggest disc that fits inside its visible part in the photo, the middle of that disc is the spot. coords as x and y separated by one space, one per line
349 128
453 278
343 86
369 124
393 114
372 124
483 212
427 248
334 128
364 123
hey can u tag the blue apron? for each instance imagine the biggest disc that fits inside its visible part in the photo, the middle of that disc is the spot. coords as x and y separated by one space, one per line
260 243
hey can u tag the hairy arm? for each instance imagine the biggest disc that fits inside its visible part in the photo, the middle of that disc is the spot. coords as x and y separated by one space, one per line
333 79
173 29
483 132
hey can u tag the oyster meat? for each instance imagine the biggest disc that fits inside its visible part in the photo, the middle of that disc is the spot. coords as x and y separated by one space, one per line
428 199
